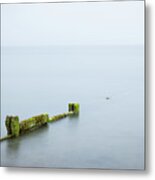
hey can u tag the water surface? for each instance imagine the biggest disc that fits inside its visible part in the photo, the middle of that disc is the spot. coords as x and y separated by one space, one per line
107 81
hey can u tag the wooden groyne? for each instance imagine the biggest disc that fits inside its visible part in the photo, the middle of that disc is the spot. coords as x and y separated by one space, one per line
16 128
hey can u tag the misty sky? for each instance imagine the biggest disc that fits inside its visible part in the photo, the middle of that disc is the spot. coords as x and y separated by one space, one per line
103 23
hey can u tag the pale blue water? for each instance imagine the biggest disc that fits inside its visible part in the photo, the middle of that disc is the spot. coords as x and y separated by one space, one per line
108 133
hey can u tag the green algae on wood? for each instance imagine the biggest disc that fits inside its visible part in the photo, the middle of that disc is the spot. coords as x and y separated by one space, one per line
12 125
33 123
74 107
60 116
16 128
8 124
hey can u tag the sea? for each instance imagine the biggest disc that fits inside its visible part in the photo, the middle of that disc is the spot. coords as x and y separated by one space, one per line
107 82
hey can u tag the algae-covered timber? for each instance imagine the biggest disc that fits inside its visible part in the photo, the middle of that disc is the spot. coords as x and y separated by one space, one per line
73 107
33 123
16 128
12 125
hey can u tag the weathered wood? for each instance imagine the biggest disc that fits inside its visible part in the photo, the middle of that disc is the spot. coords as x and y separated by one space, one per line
74 107
12 125
8 124
33 123
16 128
60 116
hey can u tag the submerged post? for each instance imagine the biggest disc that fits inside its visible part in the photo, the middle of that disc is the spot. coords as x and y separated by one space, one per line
74 107
12 125
16 128
8 125
33 123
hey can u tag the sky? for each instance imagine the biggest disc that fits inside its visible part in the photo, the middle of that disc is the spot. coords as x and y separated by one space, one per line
97 23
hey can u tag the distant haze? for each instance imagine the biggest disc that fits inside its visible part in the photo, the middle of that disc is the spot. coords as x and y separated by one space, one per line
103 23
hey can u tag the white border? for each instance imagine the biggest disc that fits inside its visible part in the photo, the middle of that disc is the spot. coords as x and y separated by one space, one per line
149 173
37 1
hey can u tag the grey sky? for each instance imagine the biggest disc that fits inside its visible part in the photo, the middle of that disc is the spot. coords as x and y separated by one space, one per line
100 23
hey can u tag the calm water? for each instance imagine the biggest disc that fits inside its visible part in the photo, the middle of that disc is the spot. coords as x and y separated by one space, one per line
109 133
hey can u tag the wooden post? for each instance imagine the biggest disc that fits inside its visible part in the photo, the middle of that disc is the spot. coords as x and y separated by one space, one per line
33 123
12 125
8 125
74 107
14 128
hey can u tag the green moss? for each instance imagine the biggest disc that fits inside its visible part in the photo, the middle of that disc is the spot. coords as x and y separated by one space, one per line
73 110
33 123
15 126
57 117
8 124
12 125
74 107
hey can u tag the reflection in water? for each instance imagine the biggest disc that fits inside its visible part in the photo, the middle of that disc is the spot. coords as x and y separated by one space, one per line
74 116
74 121
35 133
12 147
